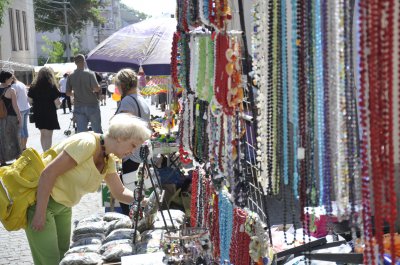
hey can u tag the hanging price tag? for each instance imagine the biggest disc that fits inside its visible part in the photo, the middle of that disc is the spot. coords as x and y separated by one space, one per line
301 153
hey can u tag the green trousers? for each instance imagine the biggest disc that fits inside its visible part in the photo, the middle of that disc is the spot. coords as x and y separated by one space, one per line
49 245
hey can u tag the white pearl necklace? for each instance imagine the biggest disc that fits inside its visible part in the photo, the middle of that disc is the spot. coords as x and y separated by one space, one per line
260 68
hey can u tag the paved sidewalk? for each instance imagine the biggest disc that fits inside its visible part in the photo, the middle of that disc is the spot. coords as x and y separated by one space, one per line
14 247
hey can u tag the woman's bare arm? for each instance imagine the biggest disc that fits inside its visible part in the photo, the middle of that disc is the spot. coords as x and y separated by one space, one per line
118 190
61 164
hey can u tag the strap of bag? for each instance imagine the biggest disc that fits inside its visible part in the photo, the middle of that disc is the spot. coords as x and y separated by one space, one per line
4 92
137 104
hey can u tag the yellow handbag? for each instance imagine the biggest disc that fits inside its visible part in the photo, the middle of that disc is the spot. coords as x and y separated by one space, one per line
18 185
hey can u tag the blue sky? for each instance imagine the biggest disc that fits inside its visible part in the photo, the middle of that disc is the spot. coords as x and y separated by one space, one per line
152 7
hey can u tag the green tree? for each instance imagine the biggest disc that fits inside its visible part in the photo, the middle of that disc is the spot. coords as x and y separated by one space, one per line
49 15
3 6
54 49
131 15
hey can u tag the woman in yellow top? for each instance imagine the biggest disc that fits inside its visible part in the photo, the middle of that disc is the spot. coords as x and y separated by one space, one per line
83 161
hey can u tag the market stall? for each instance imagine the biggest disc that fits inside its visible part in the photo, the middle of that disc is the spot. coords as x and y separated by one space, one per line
288 139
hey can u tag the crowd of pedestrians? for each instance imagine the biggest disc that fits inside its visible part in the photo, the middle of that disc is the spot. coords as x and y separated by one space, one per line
81 92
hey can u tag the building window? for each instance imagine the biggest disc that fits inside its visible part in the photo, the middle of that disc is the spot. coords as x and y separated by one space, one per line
19 32
25 30
12 31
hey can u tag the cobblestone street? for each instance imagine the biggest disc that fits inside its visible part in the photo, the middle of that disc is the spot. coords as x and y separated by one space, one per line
14 248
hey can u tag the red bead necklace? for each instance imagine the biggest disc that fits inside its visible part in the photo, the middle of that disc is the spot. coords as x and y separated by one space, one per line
193 206
363 104
221 76
240 242
376 71
174 60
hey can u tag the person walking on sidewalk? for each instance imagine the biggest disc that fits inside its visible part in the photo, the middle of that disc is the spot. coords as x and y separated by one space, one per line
24 107
45 98
84 86
66 100
83 161
132 102
9 125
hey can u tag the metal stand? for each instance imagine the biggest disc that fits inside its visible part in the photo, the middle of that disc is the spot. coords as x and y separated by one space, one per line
156 184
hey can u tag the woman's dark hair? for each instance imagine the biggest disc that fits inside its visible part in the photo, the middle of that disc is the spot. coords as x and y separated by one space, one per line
45 79
4 75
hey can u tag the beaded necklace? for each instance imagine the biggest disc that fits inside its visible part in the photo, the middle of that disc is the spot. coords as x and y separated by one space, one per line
174 60
379 74
183 132
200 139
284 87
194 65
199 200
215 238
351 120
319 87
295 95
103 148
201 71
207 201
182 7
274 83
229 159
327 139
375 122
184 66
269 104
239 249
195 195
261 51
194 13
365 146
342 168
209 83
191 118
225 224
204 11
302 11
221 75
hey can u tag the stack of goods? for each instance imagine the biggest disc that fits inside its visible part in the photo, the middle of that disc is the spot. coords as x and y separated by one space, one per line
96 239
100 239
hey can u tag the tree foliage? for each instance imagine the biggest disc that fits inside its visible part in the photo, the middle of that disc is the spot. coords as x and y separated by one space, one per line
49 15
131 15
3 7
54 50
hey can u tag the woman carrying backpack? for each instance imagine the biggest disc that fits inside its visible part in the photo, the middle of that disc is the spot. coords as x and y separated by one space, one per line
10 125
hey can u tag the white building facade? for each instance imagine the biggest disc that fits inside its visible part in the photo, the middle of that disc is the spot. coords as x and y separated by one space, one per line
17 37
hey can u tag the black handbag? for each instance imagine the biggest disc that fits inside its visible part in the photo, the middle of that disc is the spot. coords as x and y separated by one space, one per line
31 116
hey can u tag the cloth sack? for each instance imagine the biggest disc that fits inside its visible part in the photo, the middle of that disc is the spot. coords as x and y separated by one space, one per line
3 109
18 186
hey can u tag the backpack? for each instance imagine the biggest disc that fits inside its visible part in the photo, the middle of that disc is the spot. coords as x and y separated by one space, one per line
3 109
18 186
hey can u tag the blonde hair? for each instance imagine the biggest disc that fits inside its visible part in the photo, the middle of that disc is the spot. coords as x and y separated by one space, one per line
126 126
126 79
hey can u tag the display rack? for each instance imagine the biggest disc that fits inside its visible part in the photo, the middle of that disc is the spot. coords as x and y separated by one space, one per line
157 195
256 201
